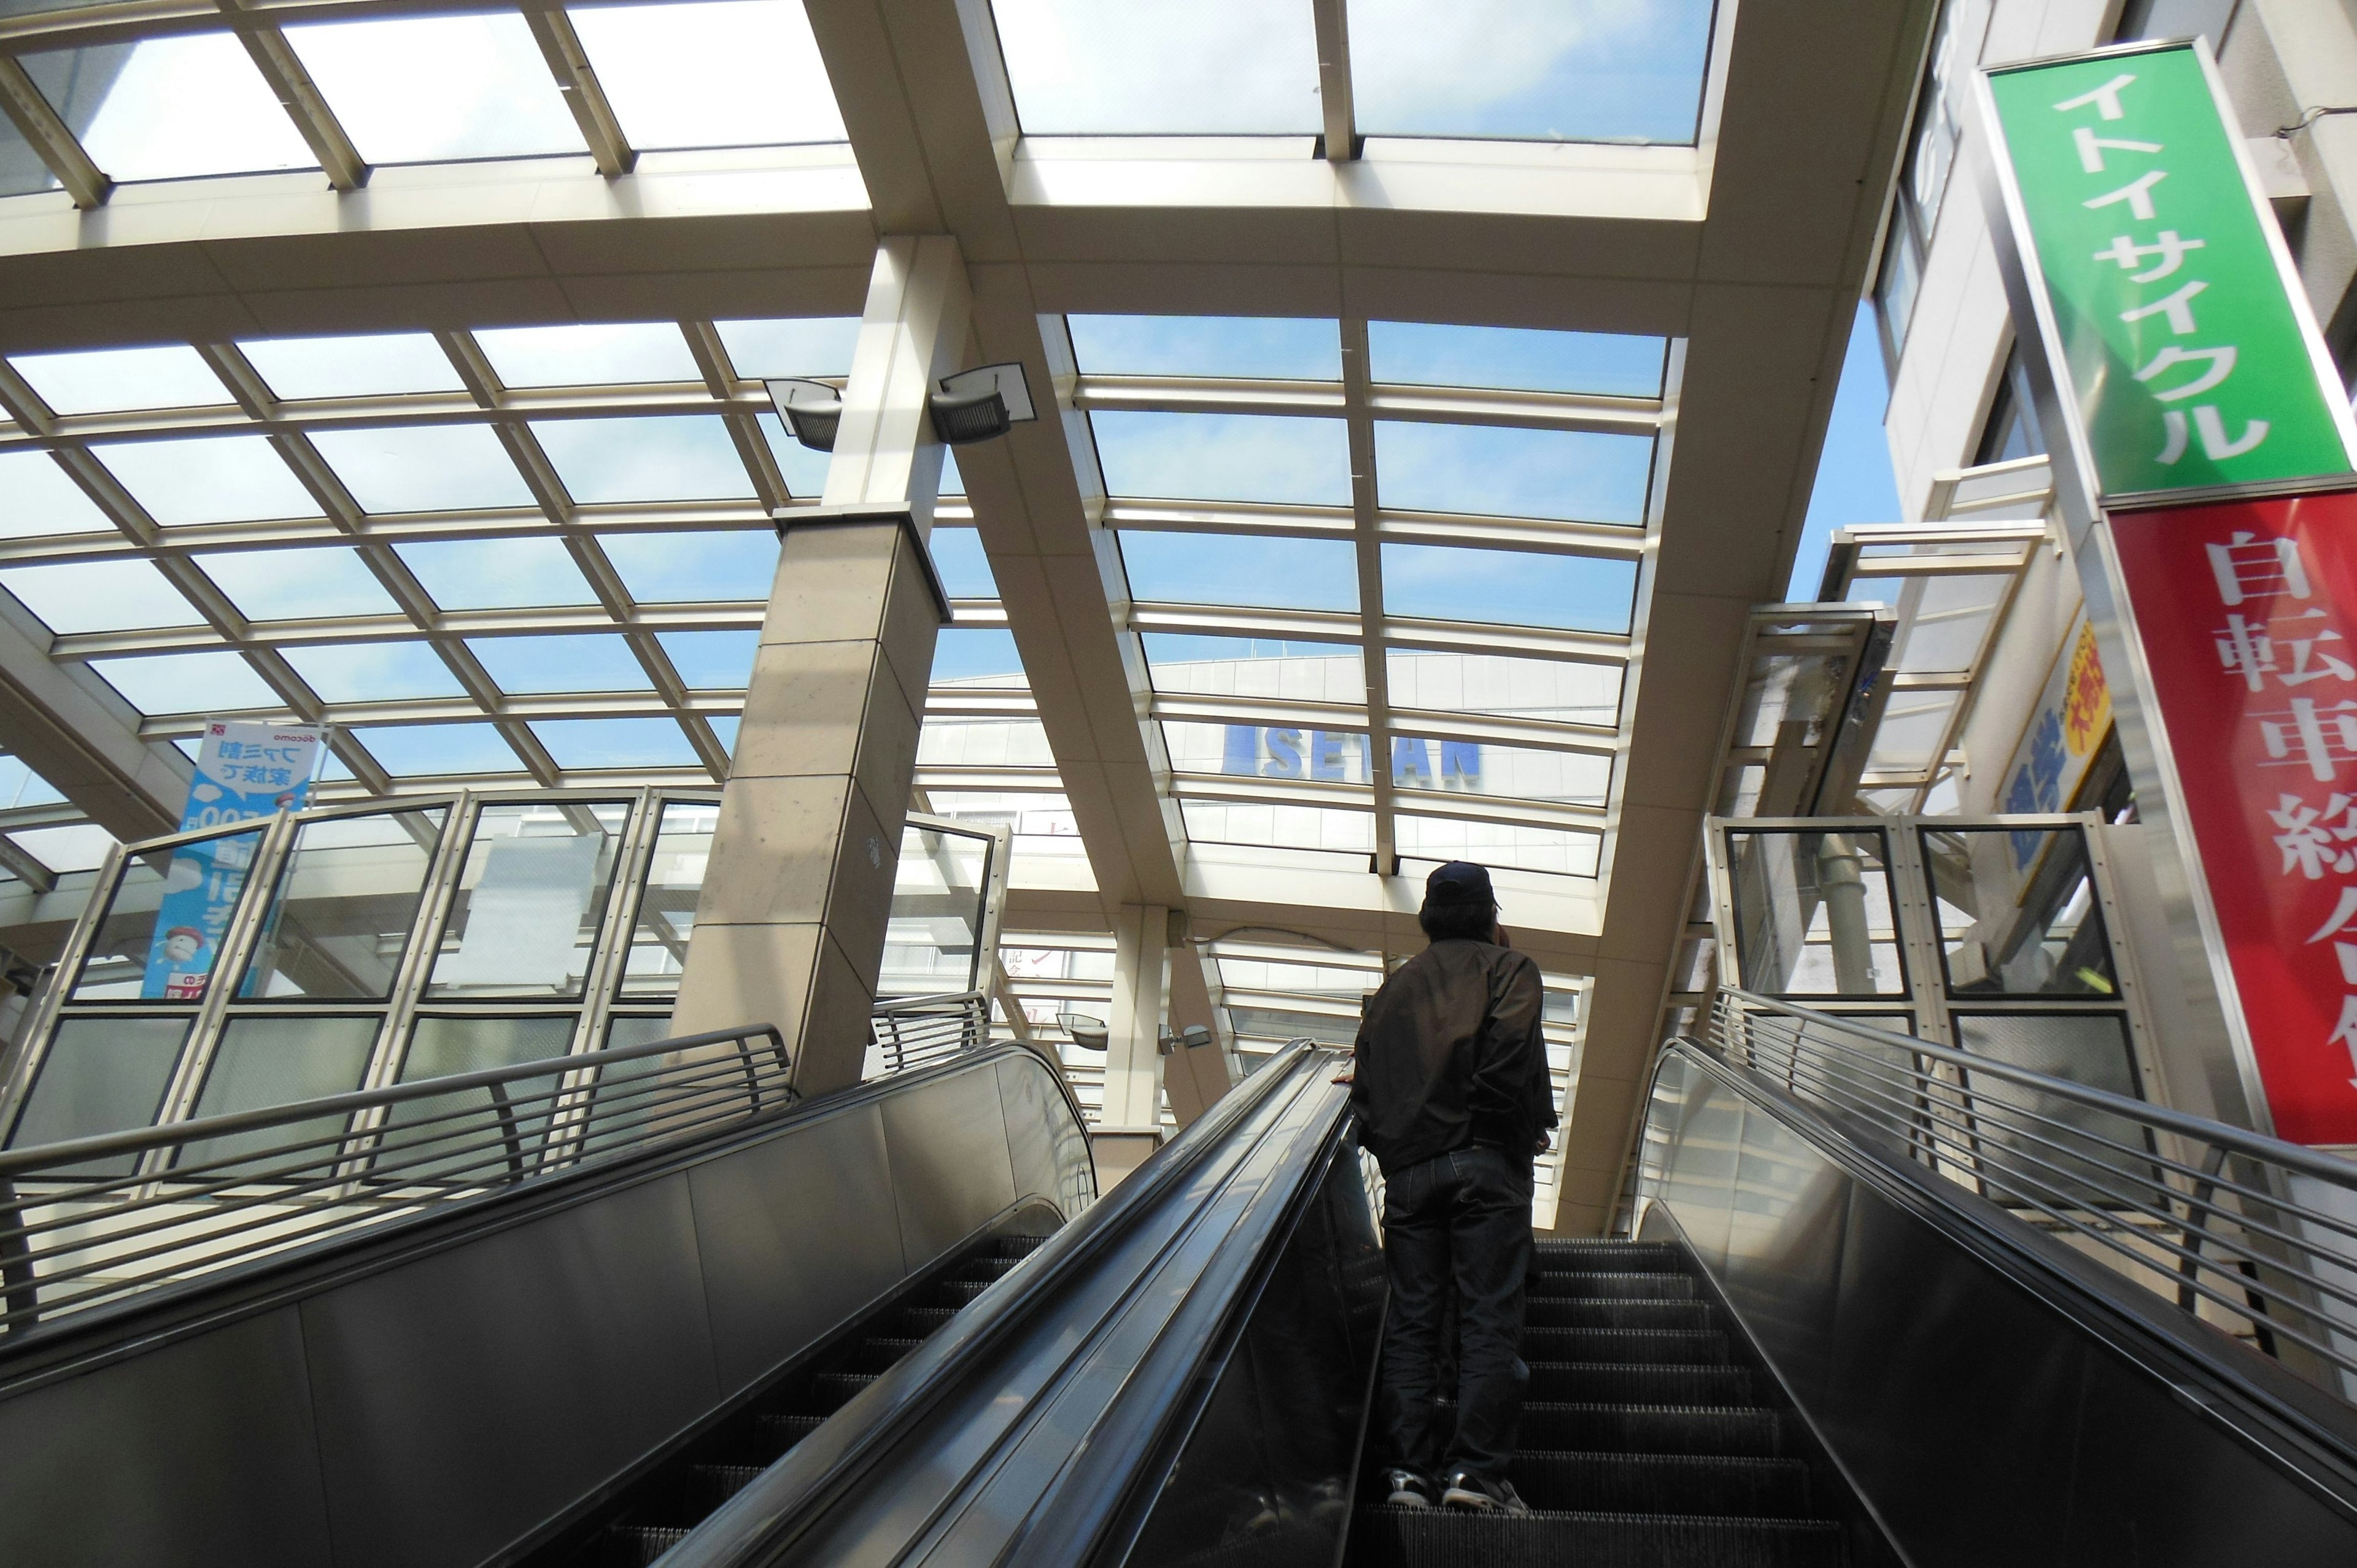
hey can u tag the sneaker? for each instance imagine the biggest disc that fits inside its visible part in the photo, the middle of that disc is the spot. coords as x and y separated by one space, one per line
1467 1491
1409 1489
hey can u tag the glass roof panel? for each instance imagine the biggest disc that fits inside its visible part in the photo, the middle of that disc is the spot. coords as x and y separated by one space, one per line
1576 476
1509 587
591 662
41 497
22 172
377 365
78 847
188 683
969 653
1571 71
965 567
1251 751
496 573
983 743
794 346
1282 827
208 479
409 751
1208 67
1265 571
1521 773
733 567
588 354
1516 358
169 108
617 742
712 660
374 671
1549 689
732 73
1224 456
724 727
424 468
803 470
20 785
1273 348
952 482
652 457
417 89
100 595
106 381
299 584
1255 667
1495 844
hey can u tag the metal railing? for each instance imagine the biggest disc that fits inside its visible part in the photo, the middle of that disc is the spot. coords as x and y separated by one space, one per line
92 1221
2253 1235
918 1031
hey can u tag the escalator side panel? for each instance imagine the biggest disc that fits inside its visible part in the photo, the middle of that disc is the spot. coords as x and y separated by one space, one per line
1047 1146
1977 1421
951 1171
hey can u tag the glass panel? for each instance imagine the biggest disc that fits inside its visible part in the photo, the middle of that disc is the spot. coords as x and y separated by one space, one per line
1947 621
341 919
1577 476
1208 67
22 172
1549 689
796 346
162 928
1224 456
1272 348
1255 667
413 751
378 365
1281 1024
712 660
1275 751
1561 851
101 1075
1265 570
616 743
43 498
1914 726
107 381
964 565
267 1061
2018 914
1575 70
934 937
424 468
1814 914
299 584
588 354
2088 1048
983 743
374 671
804 470
977 655
666 913
719 75
654 457
1281 827
1516 358
20 785
1509 587
80 847
169 108
1042 823
419 89
208 479
187 682
529 898
472 1143
621 1111
1478 768
498 574
574 663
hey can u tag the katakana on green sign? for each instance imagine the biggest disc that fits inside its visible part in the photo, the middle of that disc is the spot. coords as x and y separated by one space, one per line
2188 363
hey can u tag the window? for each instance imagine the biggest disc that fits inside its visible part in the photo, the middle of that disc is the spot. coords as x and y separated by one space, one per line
2011 431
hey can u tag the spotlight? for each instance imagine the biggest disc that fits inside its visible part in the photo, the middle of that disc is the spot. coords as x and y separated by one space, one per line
811 410
981 404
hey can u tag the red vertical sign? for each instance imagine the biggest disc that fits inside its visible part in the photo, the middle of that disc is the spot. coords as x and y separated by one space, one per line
2248 616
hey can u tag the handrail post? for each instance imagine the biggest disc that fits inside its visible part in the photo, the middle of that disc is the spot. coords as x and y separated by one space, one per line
22 1294
504 1108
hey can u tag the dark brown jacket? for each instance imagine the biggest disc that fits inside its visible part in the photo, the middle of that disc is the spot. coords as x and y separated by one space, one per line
1450 1053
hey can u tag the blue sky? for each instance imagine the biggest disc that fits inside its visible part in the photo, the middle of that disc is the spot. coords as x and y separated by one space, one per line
1854 478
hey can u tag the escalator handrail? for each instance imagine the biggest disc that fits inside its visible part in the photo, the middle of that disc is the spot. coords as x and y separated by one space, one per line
767 1514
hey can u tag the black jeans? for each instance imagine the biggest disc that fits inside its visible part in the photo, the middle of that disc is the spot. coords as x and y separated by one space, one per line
1458 1227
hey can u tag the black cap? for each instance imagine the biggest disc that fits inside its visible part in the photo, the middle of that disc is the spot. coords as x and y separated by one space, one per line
1460 882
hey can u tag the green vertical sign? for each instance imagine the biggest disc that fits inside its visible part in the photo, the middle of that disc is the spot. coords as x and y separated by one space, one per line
2189 360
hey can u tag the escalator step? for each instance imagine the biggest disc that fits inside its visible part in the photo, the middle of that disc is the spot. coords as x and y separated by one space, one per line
642 1545
1621 1382
1651 1428
1616 1286
1017 1246
923 1321
785 1431
1706 1484
984 1270
1620 1257
830 1392
709 1485
879 1355
1678 1346
1605 1311
1432 1538
957 1293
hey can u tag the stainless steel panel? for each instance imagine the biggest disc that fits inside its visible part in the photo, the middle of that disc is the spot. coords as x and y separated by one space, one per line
200 1452
1699 1187
1784 1249
949 1169
795 1236
1048 1151
466 1396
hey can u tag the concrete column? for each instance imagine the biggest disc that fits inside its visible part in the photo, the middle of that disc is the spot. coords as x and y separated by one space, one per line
790 927
1193 1077
1130 1127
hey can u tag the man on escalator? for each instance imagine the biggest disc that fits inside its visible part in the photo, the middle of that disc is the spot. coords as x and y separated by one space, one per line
1450 1082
